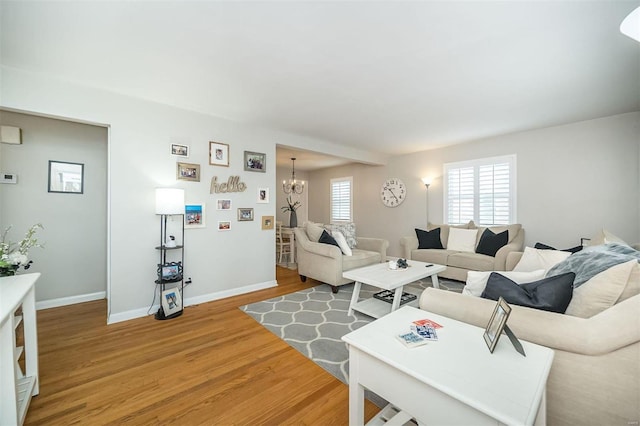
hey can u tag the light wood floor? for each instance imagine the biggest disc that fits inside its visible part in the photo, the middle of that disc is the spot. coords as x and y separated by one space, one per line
214 365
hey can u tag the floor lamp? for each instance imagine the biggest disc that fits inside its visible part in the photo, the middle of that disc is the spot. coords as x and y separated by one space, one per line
427 183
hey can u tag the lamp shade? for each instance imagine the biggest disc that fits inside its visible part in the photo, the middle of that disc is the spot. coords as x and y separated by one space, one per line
631 25
169 201
426 181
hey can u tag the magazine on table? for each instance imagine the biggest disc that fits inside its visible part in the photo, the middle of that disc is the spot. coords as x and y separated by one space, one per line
420 333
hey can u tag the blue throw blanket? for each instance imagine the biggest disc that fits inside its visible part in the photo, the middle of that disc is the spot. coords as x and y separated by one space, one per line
593 260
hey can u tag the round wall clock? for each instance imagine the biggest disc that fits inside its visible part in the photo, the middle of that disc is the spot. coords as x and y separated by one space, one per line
393 192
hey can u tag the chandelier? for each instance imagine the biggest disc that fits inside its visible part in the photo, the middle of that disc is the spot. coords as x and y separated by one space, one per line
292 185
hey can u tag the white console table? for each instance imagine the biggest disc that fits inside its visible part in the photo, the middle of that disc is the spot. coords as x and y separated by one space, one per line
452 381
17 387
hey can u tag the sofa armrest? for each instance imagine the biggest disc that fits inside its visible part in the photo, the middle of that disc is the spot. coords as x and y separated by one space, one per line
512 260
610 330
374 244
408 245
501 255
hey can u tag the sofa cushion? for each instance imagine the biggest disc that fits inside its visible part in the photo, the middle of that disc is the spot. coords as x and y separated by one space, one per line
473 261
541 246
462 240
342 243
444 230
549 294
429 239
534 259
439 257
360 258
512 230
477 280
633 285
600 292
490 242
325 238
348 229
314 231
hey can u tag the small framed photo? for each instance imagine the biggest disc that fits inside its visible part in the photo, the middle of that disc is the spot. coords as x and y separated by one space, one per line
194 216
171 301
263 195
224 225
223 204
267 222
496 324
67 178
188 171
218 154
170 272
255 162
180 150
245 215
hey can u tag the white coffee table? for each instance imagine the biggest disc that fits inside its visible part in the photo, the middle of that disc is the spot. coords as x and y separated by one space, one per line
452 381
379 275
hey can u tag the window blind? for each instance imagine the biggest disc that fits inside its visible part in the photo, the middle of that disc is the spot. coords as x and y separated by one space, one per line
341 199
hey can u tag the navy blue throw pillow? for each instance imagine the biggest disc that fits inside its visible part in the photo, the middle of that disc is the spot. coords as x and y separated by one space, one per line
429 239
490 243
541 246
549 294
325 238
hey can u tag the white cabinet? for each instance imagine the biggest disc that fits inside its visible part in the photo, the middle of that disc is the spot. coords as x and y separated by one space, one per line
17 386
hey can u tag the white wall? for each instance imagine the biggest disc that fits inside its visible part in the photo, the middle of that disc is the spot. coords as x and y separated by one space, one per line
572 181
219 263
73 261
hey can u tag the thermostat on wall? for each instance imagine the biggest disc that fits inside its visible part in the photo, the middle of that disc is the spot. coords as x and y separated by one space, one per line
8 177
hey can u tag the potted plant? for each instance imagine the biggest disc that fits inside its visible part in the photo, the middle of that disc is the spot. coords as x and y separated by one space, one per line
291 207
14 255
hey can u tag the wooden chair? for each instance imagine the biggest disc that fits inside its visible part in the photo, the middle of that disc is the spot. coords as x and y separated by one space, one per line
284 244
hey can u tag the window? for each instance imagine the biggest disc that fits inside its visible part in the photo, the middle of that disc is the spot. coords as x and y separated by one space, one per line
341 199
481 190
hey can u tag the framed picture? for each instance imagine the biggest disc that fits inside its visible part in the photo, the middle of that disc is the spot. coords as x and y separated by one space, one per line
194 216
188 171
170 272
67 178
224 225
263 195
218 154
267 222
171 301
255 162
180 150
496 324
245 215
224 204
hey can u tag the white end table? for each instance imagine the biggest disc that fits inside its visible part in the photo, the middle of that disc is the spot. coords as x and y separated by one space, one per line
379 275
452 381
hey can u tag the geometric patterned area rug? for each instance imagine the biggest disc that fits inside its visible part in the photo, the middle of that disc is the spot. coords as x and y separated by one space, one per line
314 320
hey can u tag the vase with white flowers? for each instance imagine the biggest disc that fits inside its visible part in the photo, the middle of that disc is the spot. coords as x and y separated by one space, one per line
15 255
292 207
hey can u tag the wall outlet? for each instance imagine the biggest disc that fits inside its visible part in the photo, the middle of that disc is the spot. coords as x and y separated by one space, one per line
8 177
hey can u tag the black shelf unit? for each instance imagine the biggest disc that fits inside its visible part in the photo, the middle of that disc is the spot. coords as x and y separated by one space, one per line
171 271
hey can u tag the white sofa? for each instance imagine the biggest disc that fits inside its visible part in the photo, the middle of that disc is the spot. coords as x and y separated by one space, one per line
595 376
459 263
326 263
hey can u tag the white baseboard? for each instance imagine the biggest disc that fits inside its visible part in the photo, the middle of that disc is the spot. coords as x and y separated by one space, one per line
138 313
71 300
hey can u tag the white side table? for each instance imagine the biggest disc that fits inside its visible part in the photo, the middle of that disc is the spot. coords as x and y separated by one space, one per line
453 381
17 387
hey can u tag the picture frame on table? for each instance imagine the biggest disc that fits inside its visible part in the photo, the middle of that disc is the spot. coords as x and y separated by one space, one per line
180 150
194 216
255 162
263 196
171 301
245 214
218 154
66 177
188 171
496 324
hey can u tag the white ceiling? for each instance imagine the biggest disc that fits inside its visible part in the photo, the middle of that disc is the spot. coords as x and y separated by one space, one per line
386 76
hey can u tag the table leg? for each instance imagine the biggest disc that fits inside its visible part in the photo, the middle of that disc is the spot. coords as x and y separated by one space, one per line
354 297
434 281
397 295
356 390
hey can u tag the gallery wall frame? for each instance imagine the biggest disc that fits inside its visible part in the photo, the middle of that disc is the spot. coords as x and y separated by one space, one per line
263 196
194 216
66 177
224 225
245 214
218 154
255 162
267 222
188 171
180 150
223 204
